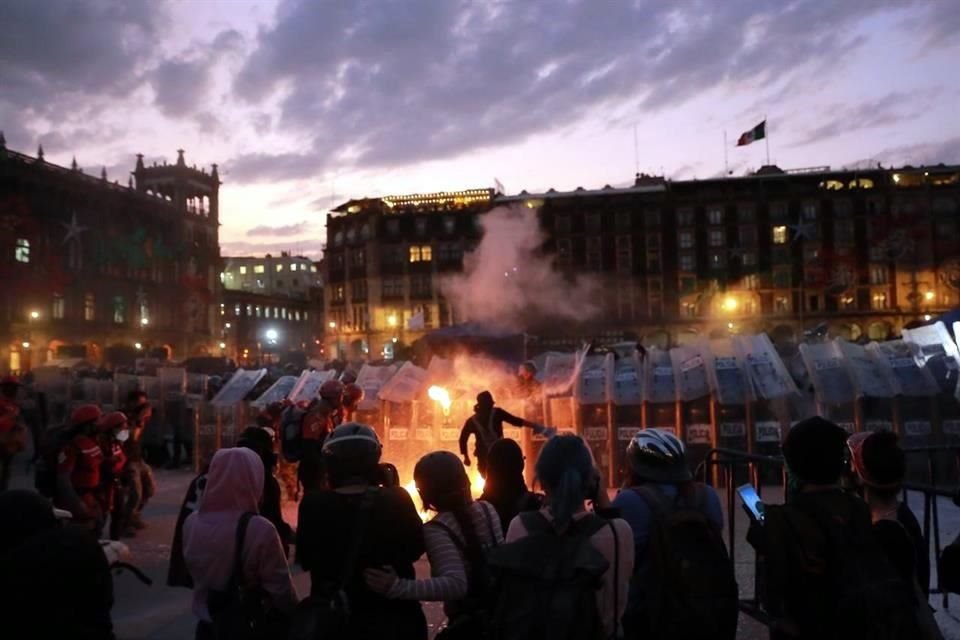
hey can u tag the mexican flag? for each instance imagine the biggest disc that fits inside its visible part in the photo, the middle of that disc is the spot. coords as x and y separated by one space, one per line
759 132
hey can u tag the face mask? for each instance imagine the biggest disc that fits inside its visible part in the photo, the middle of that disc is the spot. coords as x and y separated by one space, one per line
122 435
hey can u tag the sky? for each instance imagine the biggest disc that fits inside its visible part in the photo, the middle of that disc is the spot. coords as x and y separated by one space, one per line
307 103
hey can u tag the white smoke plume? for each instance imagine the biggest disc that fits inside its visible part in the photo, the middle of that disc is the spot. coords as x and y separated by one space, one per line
508 282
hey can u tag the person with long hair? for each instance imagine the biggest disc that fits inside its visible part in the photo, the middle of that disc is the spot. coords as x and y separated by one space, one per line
455 539
568 475
505 487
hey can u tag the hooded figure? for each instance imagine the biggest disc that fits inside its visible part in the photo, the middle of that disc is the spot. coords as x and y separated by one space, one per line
486 427
234 486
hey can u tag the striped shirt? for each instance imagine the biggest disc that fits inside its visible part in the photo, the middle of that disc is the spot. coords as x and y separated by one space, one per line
449 581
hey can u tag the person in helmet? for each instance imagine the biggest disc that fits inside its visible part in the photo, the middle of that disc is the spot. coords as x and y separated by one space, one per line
456 540
79 467
657 473
382 521
12 431
352 395
486 427
112 432
321 417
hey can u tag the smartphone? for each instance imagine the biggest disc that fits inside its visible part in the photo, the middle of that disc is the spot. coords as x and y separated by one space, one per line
751 501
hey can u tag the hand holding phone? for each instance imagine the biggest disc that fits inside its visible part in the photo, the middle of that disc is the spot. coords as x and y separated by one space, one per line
751 501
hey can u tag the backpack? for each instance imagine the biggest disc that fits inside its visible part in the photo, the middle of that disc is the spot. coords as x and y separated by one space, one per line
241 612
686 584
471 623
547 582
325 614
291 433
866 598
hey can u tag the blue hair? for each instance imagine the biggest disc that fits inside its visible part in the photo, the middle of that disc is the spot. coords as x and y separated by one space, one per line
565 470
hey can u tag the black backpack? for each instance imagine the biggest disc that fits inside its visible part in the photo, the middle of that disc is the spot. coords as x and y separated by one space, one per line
547 582
326 614
239 611
685 585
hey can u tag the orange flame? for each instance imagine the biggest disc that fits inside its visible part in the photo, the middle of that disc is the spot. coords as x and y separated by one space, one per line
442 396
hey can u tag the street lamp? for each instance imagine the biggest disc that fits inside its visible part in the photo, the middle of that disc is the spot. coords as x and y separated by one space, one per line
227 326
138 346
144 321
223 345
332 325
392 320
34 315
272 335
929 296
25 344
730 304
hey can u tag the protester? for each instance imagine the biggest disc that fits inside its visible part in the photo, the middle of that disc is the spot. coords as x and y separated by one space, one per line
660 490
504 486
456 541
352 396
566 471
260 442
137 475
177 573
33 406
79 486
374 527
529 389
320 418
112 432
234 486
827 577
12 432
880 466
486 426
54 581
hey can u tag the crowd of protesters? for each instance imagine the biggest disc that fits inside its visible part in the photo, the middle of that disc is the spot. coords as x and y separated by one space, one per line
841 558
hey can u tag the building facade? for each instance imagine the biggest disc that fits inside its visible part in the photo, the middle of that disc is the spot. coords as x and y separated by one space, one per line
860 253
106 271
285 275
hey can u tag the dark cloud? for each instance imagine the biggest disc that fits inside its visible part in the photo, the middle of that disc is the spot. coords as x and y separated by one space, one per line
925 153
388 82
312 249
281 231
887 110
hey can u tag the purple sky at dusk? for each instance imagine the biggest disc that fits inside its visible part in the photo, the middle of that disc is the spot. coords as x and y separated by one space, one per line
305 103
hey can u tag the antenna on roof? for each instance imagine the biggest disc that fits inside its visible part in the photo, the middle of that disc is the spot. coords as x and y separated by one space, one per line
636 152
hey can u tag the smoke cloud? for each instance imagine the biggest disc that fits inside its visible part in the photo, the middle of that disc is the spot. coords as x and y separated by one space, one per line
508 282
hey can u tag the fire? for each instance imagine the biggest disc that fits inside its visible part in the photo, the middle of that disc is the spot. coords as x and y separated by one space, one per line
476 485
411 488
442 396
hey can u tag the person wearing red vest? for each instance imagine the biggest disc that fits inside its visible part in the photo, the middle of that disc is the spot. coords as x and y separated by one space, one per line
112 432
79 467
12 431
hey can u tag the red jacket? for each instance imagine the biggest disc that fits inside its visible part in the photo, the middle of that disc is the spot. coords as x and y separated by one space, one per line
81 458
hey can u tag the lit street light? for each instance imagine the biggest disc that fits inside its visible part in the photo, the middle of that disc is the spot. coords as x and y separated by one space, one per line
227 326
392 320
333 325
34 315
929 296
223 345
25 344
138 346
144 321
272 335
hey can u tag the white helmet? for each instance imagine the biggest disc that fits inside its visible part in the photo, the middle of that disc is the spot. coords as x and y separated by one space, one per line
658 455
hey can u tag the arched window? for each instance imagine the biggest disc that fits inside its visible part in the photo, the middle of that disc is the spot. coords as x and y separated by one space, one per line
22 251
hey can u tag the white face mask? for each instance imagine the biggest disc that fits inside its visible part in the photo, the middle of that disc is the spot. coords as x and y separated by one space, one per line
123 435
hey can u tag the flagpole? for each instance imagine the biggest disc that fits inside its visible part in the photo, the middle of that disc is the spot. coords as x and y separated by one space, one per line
726 165
766 137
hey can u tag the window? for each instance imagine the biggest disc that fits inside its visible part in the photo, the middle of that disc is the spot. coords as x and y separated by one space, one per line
623 221
687 262
843 208
779 234
279 267
57 311
781 304
594 223
688 309
653 261
293 267
751 282
422 253
685 239
338 238
393 287
283 313
746 213
718 259
249 313
717 238
651 217
843 233
336 262
688 285
564 252
594 254
415 254
685 217
715 215
278 283
749 258
748 235
393 227
365 231
810 211
879 301
258 268
624 255
778 211
449 225
294 283
449 253
811 254
420 224
782 279
358 258
119 310
313 268
358 290
351 234
258 311
296 315
420 286
562 224
236 311
260 284
339 293
22 251
878 274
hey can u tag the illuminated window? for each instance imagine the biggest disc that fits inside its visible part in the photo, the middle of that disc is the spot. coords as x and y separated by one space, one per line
258 268
249 310
751 282
749 258
414 254
293 267
718 259
781 304
22 251
236 310
258 311
279 268
57 311
779 234
879 301
283 313
119 310
313 268
260 283
243 271
878 274
426 253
